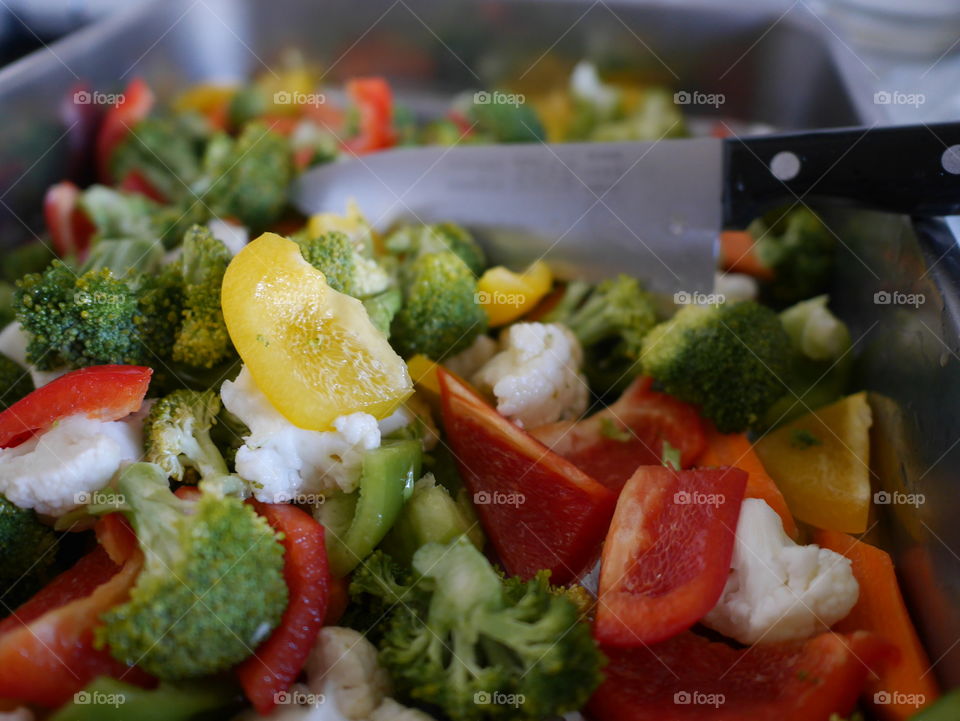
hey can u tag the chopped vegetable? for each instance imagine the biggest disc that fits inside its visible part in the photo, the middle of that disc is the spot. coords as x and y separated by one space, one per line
107 699
133 105
667 554
373 99
906 684
440 314
15 382
728 359
312 351
278 661
610 445
610 320
538 509
826 484
506 296
70 228
414 241
344 265
176 435
28 553
211 548
520 650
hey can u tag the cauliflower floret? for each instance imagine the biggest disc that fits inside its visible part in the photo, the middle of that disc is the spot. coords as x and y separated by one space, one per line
232 235
735 286
535 376
777 590
13 344
345 682
470 360
283 462
56 471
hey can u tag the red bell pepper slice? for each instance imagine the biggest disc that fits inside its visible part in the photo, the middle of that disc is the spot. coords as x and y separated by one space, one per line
279 660
134 106
104 393
611 444
374 100
689 678
667 555
70 228
46 645
538 509
136 182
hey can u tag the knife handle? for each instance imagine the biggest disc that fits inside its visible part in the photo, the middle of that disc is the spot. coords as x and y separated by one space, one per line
909 169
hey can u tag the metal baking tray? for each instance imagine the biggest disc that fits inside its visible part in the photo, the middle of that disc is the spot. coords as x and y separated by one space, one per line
775 68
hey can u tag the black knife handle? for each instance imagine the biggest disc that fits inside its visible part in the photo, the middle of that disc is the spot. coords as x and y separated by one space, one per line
899 169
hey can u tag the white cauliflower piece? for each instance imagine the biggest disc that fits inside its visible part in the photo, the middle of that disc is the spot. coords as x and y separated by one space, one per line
13 344
345 682
232 235
535 377
735 286
470 360
57 470
283 462
18 714
778 590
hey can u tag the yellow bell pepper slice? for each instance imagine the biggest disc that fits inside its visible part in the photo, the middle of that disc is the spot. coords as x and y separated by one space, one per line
506 296
204 98
311 350
821 463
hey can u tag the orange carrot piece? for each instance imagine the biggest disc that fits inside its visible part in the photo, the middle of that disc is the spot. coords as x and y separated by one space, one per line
735 449
908 684
738 255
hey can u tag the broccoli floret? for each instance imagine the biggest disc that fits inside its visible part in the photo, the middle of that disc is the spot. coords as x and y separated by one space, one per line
440 313
176 435
165 151
506 122
77 321
27 555
799 251
382 308
821 360
202 340
729 359
96 318
211 588
247 178
15 382
610 320
454 632
413 241
344 265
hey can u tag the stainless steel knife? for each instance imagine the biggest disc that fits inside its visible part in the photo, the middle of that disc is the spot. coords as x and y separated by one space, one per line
651 209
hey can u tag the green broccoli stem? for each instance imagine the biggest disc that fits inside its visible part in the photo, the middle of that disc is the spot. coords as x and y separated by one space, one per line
107 699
